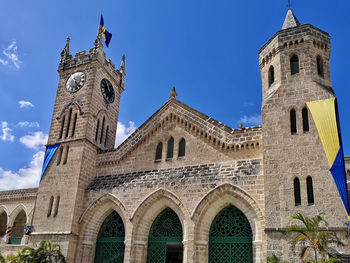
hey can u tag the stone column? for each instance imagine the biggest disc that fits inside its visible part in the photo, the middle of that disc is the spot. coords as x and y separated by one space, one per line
188 242
201 252
138 252
257 251
127 251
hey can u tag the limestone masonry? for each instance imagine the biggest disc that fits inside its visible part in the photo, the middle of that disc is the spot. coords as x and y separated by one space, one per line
183 187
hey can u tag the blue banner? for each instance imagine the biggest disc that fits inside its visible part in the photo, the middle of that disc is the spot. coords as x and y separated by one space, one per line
50 151
339 176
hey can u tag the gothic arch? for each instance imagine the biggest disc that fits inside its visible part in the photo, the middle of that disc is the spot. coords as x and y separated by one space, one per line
15 212
101 113
92 219
145 214
73 105
4 209
216 200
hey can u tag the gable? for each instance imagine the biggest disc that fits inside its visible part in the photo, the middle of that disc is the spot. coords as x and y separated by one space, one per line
207 140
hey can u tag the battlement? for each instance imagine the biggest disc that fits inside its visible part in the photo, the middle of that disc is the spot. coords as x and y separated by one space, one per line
290 38
96 53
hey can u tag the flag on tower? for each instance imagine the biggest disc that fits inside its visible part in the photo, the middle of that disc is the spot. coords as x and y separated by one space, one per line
106 35
325 115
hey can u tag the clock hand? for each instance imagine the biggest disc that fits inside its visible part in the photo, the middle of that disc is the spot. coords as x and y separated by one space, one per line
75 81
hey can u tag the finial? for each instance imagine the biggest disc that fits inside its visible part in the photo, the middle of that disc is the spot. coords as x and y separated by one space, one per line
65 52
122 65
290 20
173 94
289 5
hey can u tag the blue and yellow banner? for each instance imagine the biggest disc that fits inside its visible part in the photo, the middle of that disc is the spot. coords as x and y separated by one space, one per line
9 231
106 35
325 115
50 151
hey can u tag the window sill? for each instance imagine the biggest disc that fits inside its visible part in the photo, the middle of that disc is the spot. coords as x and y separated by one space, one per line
168 159
158 160
181 158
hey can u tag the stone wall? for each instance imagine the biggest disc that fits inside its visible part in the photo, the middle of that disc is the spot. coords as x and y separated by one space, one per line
11 204
191 191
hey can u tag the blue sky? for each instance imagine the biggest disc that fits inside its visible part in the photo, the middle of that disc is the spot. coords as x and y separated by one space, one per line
208 50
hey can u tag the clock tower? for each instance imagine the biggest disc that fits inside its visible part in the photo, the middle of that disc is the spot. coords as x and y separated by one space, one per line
84 120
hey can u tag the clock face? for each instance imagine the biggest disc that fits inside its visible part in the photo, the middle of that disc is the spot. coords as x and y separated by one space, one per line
107 90
75 82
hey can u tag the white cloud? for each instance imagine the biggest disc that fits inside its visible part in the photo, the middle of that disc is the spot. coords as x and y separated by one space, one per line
6 132
250 120
26 177
11 55
123 132
25 104
35 140
28 124
4 62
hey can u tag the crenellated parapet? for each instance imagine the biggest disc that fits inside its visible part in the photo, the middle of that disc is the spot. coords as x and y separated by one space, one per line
68 61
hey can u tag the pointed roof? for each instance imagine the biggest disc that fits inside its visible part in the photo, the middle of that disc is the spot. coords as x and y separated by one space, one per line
290 20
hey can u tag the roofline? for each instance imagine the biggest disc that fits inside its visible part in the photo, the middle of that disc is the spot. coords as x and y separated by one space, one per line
202 115
290 29
23 190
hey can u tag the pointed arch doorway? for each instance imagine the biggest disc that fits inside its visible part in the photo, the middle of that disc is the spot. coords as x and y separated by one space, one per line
165 239
110 240
230 237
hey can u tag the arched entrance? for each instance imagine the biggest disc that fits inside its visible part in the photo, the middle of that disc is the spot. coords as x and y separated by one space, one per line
110 240
230 237
165 239
3 223
18 228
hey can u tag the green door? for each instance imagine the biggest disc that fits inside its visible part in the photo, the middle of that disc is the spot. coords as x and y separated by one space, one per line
230 237
110 241
165 239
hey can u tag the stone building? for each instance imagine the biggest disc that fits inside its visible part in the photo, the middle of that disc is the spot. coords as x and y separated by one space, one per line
183 187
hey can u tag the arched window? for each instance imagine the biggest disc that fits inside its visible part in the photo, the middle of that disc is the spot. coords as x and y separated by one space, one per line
57 206
293 122
66 156
170 149
49 210
230 237
68 122
62 126
102 128
182 148
97 127
297 196
310 191
159 151
3 223
110 240
18 228
74 124
320 66
165 238
294 65
106 136
305 115
59 157
271 75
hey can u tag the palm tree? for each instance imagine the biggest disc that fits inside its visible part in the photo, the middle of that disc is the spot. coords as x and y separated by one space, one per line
47 252
310 234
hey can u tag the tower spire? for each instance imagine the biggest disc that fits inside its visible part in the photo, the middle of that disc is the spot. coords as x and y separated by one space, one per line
290 20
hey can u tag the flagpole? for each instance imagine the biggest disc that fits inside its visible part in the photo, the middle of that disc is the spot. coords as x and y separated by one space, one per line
99 26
